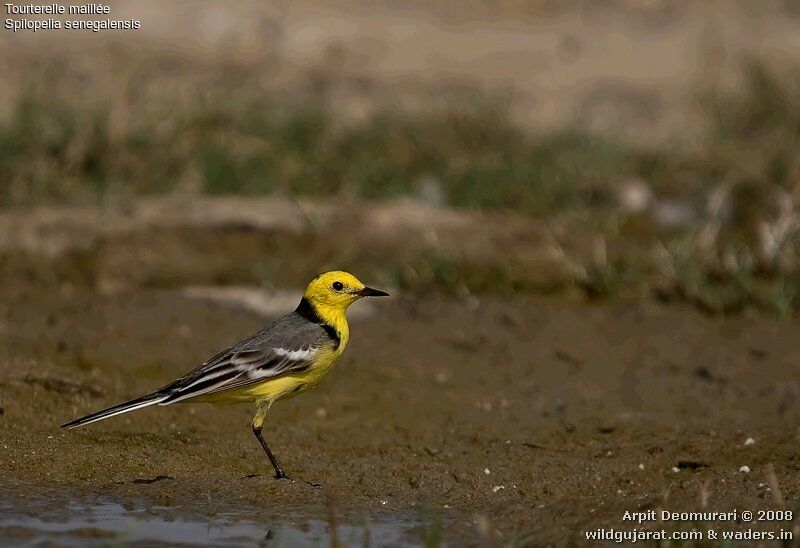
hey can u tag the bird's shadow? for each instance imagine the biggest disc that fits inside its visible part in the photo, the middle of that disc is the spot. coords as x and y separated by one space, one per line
147 481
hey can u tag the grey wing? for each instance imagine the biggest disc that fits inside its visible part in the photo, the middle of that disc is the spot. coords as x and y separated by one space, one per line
286 346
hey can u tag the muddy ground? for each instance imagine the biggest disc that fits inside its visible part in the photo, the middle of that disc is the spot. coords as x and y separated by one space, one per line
579 412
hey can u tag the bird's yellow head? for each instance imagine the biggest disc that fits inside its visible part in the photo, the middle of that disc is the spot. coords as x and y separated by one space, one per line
334 291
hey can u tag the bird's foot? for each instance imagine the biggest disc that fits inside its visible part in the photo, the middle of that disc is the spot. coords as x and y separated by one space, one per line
280 474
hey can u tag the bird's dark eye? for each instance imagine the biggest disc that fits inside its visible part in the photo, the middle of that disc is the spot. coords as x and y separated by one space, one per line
338 286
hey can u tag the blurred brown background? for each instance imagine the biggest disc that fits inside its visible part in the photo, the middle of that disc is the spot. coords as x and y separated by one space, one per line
642 146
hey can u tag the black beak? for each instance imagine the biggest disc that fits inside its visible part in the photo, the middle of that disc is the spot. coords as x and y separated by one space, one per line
369 292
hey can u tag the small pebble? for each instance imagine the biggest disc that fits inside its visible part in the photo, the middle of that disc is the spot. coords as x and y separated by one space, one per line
676 469
641 466
744 469
749 441
487 471
496 488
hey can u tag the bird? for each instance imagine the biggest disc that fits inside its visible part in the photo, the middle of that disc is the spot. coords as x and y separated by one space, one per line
286 357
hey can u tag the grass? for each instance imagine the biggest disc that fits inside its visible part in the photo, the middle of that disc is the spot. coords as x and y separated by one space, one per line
233 138
757 128
224 133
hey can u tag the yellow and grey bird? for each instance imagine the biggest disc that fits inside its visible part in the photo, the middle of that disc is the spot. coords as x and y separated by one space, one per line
286 357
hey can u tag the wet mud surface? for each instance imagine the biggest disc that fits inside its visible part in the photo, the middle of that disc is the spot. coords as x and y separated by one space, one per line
64 519
509 421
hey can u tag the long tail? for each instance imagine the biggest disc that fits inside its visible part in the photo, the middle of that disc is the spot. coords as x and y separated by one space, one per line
138 403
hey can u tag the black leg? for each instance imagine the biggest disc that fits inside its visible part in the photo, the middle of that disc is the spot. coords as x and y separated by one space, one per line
279 474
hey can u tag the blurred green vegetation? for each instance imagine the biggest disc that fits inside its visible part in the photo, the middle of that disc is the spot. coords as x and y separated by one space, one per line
755 129
229 135
55 150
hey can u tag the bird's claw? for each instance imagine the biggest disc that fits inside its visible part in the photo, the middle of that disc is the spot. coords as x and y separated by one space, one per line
280 474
